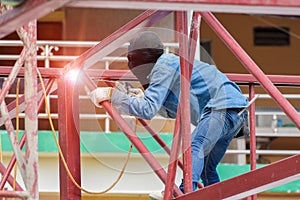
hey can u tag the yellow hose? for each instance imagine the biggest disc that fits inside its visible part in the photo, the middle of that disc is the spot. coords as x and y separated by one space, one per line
62 156
17 131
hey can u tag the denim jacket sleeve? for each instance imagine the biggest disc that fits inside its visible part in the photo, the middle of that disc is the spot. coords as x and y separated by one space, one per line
161 79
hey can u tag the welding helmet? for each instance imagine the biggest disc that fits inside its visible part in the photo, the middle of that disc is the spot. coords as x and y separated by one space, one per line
143 52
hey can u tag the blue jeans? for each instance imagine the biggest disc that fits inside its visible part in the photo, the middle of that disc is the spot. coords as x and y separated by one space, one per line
210 141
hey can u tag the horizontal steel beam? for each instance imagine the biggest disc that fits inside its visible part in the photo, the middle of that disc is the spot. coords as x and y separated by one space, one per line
259 180
265 152
280 79
14 194
45 72
239 78
127 75
287 7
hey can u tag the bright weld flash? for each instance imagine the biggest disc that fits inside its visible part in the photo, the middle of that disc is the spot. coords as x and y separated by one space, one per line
72 75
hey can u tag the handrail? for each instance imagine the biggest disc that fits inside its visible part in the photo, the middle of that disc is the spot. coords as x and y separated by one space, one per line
69 43
61 58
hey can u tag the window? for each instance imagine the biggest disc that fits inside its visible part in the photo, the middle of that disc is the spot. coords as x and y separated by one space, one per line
271 36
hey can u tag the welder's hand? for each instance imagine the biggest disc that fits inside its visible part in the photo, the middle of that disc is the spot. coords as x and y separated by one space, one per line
121 86
136 92
100 94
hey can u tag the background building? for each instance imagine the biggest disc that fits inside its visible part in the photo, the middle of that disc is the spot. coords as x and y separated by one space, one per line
273 43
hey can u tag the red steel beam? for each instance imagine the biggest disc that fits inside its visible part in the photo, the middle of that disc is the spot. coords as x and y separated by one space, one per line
252 67
69 136
193 41
176 143
173 161
252 125
182 124
286 7
116 39
127 75
286 3
276 79
45 72
239 78
184 103
253 182
29 10
275 3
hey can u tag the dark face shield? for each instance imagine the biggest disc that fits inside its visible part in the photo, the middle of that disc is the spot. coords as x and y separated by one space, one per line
141 63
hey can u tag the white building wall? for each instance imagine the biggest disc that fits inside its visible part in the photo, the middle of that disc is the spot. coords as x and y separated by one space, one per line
99 172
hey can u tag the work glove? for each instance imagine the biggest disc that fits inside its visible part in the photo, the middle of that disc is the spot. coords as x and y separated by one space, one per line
100 94
127 88
121 86
136 92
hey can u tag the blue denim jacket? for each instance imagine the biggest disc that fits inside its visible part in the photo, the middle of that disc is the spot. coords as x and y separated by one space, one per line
209 89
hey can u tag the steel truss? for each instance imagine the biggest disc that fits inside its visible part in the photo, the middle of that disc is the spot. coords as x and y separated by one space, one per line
238 187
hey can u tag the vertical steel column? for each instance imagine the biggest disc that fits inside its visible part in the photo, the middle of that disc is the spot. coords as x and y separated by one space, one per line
184 101
252 67
187 72
173 159
252 133
31 119
193 41
69 136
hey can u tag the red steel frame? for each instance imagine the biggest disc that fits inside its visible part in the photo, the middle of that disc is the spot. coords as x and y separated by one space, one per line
237 187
